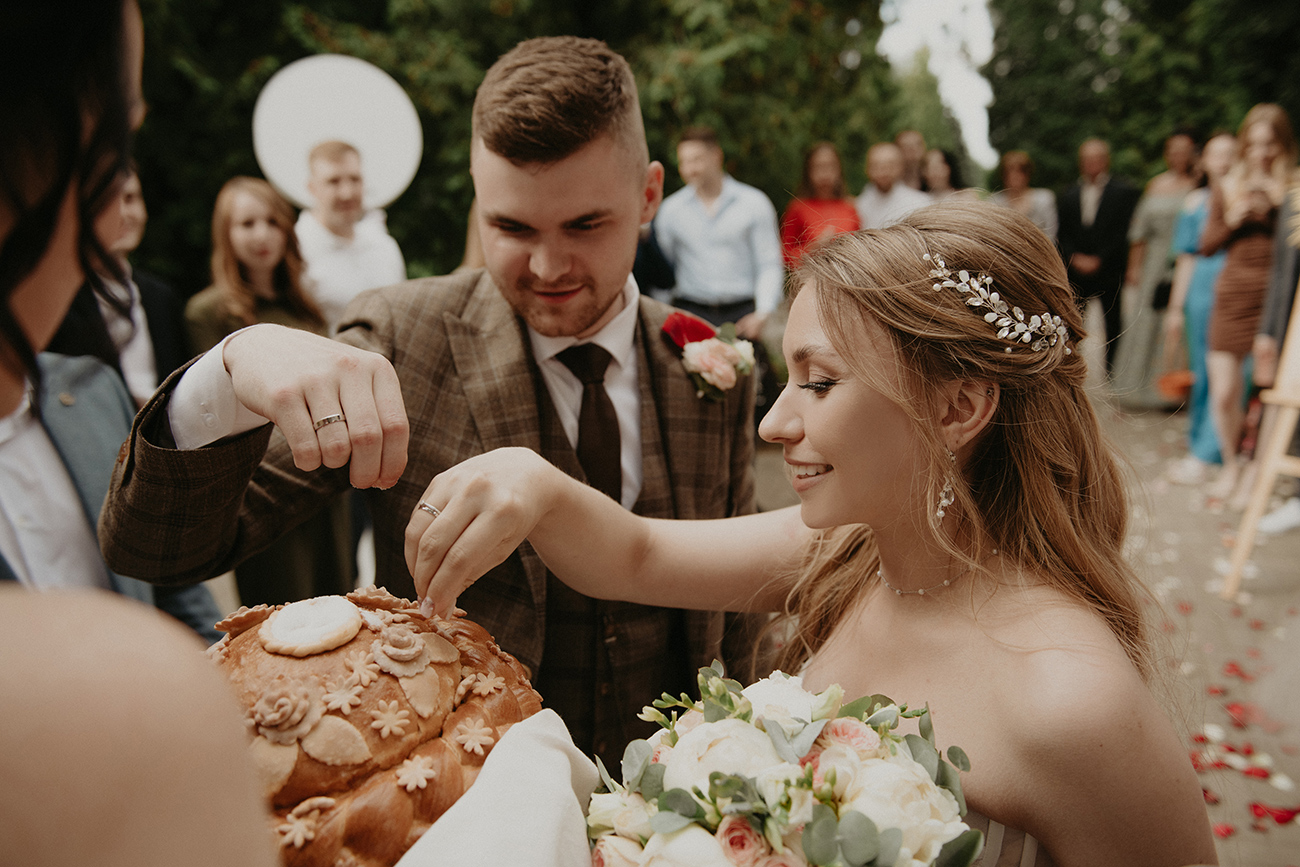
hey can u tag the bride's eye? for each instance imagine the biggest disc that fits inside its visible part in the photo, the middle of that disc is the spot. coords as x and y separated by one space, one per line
819 386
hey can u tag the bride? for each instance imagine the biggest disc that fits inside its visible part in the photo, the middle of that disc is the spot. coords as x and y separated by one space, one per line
959 539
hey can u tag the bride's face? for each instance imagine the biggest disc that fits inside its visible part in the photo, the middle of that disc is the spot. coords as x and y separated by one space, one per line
850 449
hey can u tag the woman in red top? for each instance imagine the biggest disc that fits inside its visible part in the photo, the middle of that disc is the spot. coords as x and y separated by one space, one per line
820 209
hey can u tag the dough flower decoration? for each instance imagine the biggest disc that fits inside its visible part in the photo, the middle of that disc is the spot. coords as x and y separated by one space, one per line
388 719
300 826
400 651
773 774
343 698
363 667
285 714
1040 331
474 736
416 772
715 360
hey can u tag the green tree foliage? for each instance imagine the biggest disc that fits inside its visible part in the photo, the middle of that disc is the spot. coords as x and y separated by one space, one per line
771 75
1132 73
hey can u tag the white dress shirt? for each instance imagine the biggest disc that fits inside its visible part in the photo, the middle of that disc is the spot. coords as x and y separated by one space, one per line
726 253
340 269
203 407
877 210
131 340
45 536
1090 198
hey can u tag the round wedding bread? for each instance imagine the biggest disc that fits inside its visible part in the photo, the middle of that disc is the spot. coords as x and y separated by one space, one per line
366 720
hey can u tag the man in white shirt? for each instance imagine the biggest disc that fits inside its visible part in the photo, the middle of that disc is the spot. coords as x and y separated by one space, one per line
721 238
346 250
886 199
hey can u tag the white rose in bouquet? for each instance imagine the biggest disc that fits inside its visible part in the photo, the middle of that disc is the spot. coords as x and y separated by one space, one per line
731 746
692 846
614 851
896 792
782 699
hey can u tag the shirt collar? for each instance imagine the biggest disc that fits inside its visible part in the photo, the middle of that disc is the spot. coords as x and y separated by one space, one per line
1102 180
616 337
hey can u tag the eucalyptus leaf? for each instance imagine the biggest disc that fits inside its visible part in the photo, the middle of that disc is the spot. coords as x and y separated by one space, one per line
858 708
925 755
714 711
652 782
803 741
733 685
859 838
962 850
927 726
610 785
781 743
950 780
681 802
958 757
886 716
666 823
821 837
636 758
891 843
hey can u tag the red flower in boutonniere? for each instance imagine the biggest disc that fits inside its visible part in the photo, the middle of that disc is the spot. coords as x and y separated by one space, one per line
715 360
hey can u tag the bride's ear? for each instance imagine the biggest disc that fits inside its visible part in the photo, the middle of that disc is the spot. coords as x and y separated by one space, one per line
967 408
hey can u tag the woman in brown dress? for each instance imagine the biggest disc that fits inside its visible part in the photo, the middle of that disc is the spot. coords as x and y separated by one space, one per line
1243 214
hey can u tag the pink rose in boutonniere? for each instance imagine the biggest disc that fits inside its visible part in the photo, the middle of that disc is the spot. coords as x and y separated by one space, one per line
714 360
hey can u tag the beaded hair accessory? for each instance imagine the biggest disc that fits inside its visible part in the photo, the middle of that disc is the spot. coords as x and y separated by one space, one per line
1039 331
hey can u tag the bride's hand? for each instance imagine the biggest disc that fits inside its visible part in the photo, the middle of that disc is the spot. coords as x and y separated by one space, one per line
485 507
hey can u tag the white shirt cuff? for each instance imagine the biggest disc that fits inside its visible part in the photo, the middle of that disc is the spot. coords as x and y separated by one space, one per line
203 407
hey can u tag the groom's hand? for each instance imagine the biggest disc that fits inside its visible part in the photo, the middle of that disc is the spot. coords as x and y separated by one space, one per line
299 380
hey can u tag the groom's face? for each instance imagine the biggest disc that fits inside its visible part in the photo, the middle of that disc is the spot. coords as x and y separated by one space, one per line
559 239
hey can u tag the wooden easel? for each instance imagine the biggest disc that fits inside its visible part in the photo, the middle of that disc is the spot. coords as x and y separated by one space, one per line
1273 458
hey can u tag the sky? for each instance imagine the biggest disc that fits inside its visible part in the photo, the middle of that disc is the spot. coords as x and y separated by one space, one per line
959 34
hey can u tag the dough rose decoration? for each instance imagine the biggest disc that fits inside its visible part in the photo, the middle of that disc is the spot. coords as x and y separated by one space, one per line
771 774
715 360
366 721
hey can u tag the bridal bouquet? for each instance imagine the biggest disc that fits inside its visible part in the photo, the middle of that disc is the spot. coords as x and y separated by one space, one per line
771 775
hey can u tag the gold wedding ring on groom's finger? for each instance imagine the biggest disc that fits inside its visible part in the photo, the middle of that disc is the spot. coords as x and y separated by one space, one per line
425 507
329 419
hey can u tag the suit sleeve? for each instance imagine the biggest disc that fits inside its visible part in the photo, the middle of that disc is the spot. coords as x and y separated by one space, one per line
178 517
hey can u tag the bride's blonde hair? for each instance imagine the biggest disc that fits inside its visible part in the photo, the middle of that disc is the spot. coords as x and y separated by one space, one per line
1041 484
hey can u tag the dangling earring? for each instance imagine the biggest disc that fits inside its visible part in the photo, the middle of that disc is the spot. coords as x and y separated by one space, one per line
946 496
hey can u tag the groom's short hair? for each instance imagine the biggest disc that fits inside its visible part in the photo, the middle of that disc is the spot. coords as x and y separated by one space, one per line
547 98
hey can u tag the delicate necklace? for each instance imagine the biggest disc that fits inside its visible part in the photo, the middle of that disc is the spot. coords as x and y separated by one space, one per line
924 590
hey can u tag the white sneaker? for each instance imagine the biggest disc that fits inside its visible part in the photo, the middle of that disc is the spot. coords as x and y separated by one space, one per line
1284 517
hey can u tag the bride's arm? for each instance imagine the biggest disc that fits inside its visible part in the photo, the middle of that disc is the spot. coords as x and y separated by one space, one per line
489 504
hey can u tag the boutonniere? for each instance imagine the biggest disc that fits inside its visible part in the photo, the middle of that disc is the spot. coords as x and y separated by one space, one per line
714 359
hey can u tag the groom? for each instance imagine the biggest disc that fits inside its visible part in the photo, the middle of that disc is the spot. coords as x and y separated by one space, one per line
459 365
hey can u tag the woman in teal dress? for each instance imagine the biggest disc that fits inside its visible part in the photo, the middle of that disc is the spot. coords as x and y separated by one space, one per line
1189 309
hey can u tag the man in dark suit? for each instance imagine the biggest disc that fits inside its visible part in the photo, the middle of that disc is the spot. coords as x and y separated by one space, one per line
457 366
1093 236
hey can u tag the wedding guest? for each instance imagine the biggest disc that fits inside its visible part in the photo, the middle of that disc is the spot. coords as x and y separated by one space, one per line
119 747
134 325
960 539
721 239
1015 170
1242 219
1188 315
257 276
821 208
943 178
1150 275
453 366
1092 232
911 145
886 199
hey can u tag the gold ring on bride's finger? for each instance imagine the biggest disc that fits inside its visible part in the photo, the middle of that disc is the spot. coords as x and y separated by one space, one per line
329 419
425 507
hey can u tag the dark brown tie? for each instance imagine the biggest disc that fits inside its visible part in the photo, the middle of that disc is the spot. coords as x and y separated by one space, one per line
598 442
